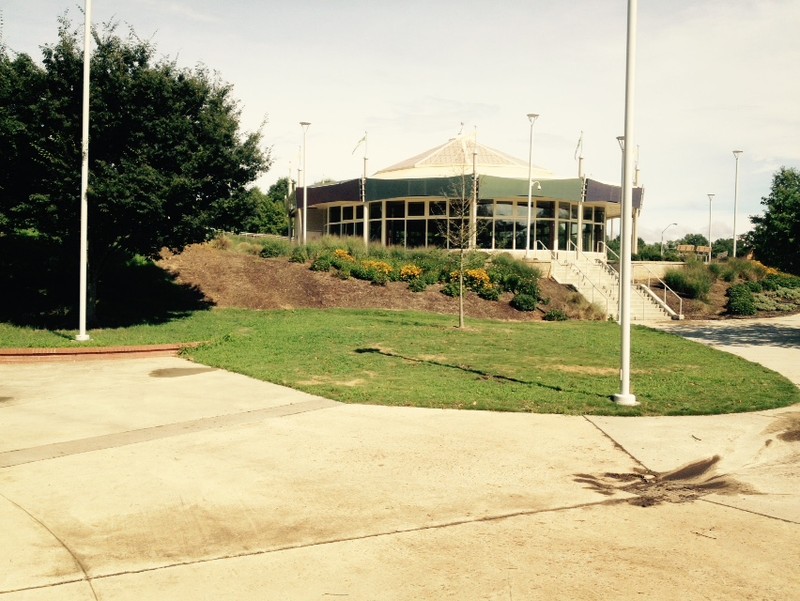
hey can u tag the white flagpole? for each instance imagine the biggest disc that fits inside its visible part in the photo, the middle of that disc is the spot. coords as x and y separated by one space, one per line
84 259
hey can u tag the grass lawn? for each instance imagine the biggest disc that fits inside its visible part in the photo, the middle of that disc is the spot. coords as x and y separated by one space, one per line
399 358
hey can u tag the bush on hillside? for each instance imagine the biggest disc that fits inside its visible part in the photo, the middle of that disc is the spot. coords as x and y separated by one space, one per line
693 281
741 300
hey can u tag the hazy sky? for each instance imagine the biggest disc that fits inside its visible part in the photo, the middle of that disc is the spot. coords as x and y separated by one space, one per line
712 76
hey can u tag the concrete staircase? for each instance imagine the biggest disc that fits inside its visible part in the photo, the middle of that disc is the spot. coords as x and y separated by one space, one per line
598 283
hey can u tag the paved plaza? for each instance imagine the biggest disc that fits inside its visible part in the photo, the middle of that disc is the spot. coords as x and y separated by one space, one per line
157 478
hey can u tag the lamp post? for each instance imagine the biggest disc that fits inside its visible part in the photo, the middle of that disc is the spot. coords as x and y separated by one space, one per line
532 117
625 397
710 198
304 216
84 243
662 238
736 154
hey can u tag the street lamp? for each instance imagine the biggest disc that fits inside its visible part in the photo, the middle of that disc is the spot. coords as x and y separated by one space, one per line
710 198
304 217
532 118
662 238
625 397
736 154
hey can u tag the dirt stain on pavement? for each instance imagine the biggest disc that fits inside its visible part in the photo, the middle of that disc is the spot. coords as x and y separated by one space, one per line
682 485
786 427
178 372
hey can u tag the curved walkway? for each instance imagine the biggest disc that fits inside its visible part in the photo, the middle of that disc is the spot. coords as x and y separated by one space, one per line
772 342
156 478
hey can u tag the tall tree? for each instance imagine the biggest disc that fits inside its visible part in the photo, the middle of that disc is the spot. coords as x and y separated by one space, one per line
168 161
776 236
270 209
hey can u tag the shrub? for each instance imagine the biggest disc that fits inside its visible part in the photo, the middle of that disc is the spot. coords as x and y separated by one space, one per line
555 315
378 266
221 242
741 300
489 292
774 281
410 272
378 278
754 286
475 279
694 280
514 276
417 285
299 254
524 302
275 248
322 263
360 272
450 289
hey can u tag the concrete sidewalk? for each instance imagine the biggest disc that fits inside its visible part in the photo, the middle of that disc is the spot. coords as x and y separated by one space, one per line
161 479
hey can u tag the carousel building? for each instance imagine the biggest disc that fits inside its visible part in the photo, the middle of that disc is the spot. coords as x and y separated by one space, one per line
416 202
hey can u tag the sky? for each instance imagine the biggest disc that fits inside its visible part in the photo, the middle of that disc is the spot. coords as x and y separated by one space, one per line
711 76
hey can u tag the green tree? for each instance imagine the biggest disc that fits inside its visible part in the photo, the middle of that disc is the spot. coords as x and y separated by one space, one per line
271 213
694 240
776 236
168 162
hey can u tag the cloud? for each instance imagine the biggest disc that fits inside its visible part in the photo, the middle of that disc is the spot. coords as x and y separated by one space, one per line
183 10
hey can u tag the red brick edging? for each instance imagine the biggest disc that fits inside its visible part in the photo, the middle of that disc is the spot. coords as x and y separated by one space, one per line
31 355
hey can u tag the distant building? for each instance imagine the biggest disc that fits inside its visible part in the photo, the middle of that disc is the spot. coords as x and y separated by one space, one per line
407 204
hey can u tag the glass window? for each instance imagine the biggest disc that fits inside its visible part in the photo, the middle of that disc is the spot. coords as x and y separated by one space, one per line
599 215
587 213
334 215
459 208
484 237
521 235
545 209
485 208
375 210
504 233
395 209
587 237
505 209
335 230
396 233
359 212
437 208
573 212
598 237
437 233
347 213
347 229
416 209
563 211
375 231
562 236
358 230
415 233
544 235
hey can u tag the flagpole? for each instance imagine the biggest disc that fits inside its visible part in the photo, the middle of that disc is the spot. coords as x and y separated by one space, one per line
364 194
84 240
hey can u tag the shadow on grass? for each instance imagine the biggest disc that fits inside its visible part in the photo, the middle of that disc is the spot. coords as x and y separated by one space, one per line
483 374
41 290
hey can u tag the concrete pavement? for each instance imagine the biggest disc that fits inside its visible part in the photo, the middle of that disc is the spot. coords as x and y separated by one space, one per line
161 479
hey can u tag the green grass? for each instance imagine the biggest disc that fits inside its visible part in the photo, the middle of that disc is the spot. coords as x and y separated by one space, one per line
401 358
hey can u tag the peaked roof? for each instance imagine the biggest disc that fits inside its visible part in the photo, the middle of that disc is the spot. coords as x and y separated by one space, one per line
455 157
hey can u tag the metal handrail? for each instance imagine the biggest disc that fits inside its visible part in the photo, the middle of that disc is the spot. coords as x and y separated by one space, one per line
650 275
594 286
540 243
